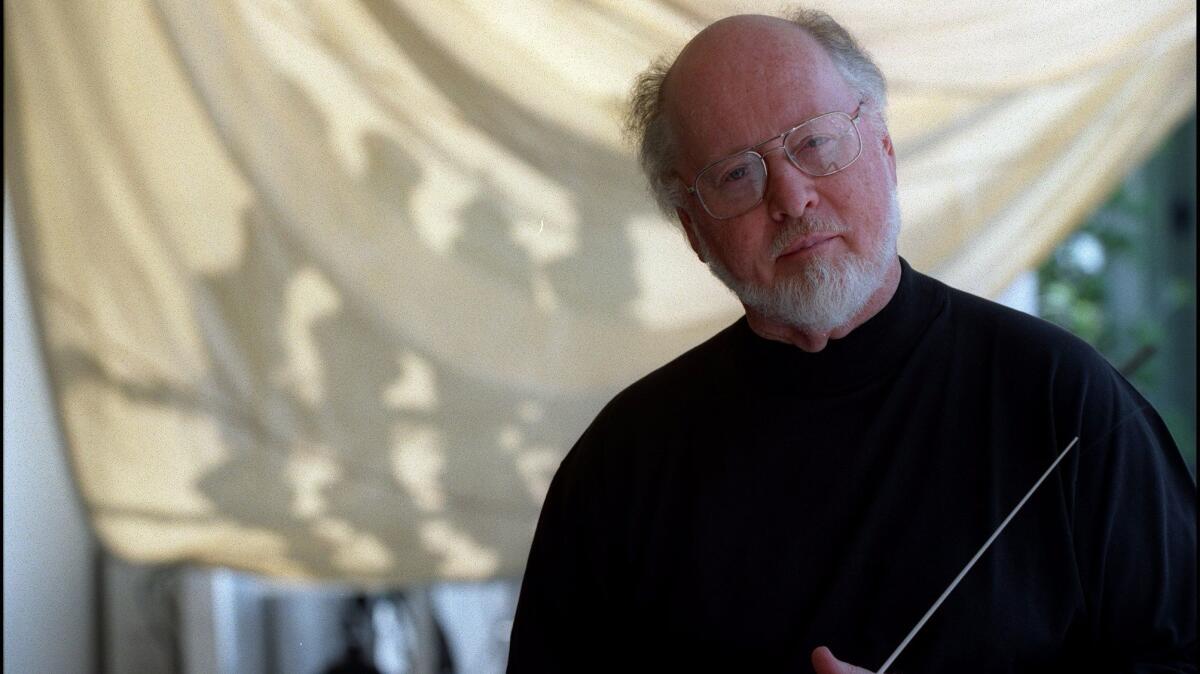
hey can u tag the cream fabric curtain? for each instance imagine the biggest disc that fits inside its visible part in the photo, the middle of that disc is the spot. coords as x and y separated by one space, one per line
327 289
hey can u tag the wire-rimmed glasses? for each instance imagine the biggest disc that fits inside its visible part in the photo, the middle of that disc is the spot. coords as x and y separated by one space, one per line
820 146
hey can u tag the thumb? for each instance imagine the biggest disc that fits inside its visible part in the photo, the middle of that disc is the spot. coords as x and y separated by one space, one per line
824 663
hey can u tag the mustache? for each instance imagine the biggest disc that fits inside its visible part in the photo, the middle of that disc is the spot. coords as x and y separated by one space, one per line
802 227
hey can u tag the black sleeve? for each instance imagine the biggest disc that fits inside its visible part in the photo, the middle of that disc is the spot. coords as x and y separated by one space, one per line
1135 536
561 610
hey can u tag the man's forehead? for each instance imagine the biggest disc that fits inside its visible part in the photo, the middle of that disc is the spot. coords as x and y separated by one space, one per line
744 79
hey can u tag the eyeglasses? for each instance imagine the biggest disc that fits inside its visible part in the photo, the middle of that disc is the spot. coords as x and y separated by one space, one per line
821 146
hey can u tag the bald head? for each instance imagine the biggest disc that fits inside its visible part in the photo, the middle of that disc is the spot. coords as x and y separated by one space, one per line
736 52
739 79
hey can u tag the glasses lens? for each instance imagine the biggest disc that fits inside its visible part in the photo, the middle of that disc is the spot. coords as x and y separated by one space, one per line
824 145
732 186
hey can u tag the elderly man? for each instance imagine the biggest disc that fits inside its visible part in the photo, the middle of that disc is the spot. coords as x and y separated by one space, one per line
813 477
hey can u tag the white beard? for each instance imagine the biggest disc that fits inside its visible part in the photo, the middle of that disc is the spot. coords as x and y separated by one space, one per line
831 290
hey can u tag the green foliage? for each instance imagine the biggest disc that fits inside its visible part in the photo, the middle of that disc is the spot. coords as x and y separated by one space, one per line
1110 286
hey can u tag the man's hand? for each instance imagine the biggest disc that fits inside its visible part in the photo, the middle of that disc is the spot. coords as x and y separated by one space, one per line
824 662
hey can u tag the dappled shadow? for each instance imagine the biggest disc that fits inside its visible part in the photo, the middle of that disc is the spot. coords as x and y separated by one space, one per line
350 449
605 187
353 479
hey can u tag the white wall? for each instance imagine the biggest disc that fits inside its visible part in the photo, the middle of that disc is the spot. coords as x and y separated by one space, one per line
49 588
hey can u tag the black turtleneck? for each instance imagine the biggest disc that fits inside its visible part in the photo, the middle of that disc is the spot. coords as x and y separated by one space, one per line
750 501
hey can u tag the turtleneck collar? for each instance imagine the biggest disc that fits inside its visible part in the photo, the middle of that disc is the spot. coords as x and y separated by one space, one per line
872 351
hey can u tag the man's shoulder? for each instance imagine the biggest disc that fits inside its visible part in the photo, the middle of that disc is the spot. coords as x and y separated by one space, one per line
697 372
676 388
985 328
1020 331
634 424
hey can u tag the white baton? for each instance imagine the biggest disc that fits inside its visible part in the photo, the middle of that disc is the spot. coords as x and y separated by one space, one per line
954 583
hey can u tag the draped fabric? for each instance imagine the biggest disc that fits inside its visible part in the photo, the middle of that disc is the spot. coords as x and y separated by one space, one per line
327 289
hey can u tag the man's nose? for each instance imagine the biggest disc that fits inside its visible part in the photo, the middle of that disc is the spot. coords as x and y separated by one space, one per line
790 192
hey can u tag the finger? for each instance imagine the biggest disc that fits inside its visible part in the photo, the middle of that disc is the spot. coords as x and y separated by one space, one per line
824 663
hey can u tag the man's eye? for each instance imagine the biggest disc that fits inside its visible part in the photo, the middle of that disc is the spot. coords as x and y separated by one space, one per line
812 143
734 174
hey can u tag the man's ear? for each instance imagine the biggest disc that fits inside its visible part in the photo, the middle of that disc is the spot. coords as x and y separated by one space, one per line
689 228
890 150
